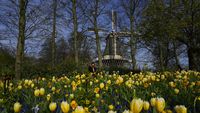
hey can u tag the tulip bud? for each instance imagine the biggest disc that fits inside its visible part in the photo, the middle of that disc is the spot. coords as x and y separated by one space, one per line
71 96
91 82
73 104
102 85
42 91
86 109
17 107
79 109
180 109
53 89
65 107
26 82
127 111
32 85
37 92
19 87
97 95
146 105
112 111
30 82
109 82
119 80
168 111
153 102
111 107
52 106
136 105
176 91
160 104
48 97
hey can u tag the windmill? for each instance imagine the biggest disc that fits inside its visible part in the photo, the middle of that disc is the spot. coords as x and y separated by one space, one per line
111 56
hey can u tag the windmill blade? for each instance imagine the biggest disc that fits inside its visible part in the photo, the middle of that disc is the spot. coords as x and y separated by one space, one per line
99 29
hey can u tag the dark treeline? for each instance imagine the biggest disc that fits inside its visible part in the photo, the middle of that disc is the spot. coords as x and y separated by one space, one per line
61 36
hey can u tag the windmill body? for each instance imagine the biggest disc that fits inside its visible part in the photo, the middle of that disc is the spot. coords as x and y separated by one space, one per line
111 56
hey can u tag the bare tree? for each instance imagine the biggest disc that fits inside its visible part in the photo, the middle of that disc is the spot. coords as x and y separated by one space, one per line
21 38
74 13
93 10
53 43
36 26
130 8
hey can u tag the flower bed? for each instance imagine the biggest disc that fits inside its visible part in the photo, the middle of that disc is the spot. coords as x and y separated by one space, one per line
165 92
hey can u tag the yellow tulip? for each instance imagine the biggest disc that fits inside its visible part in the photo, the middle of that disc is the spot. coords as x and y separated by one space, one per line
17 107
96 81
136 105
91 83
37 92
53 89
96 90
32 85
79 109
111 107
127 111
180 109
43 79
153 94
30 82
176 91
172 84
162 77
169 111
19 87
48 97
109 82
52 106
153 102
73 83
102 85
97 95
112 111
26 81
86 109
160 104
153 78
78 82
73 104
71 96
42 91
120 79
146 105
83 76
65 107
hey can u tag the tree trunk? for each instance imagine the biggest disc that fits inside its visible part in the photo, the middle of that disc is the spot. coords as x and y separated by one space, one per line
193 44
21 39
193 56
98 48
75 30
98 44
54 34
133 43
160 48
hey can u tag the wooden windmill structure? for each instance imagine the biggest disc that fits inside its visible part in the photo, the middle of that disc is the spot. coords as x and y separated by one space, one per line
111 56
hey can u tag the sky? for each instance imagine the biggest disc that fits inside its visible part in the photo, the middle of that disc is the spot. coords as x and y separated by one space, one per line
34 46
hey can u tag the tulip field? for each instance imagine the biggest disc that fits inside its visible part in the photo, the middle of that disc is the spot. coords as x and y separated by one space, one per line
145 92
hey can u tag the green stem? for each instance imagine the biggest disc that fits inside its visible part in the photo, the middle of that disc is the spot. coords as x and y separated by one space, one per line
195 104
